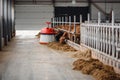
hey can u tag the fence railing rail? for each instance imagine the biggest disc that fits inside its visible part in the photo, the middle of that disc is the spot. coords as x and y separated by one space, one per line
102 37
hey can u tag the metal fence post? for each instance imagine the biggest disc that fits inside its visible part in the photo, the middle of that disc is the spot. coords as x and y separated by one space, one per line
113 40
62 20
118 54
117 32
54 21
106 41
70 27
98 31
109 47
66 20
88 18
80 28
80 19
74 29
59 21
88 38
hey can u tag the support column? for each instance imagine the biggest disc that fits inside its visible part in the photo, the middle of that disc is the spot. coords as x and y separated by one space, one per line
1 21
9 20
13 18
5 22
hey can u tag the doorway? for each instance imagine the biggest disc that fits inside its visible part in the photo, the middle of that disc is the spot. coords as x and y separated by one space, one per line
71 11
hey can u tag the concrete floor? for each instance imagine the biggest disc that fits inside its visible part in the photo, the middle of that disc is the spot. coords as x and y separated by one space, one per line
26 59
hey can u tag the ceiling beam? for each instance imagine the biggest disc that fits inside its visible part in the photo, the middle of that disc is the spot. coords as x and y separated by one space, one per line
70 1
34 1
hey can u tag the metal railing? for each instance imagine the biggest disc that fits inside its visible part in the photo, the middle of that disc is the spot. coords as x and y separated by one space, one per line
104 38
63 21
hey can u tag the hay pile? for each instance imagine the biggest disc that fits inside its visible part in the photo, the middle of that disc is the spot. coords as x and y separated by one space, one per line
62 47
82 54
96 68
82 64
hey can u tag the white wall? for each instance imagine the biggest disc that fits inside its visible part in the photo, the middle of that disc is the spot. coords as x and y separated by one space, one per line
32 17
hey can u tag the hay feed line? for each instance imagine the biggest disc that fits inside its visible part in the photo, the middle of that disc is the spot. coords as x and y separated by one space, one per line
102 38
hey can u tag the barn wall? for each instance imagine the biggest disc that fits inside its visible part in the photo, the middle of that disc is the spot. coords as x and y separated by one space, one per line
32 17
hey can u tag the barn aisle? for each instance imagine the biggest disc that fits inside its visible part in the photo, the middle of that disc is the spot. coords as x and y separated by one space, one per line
26 59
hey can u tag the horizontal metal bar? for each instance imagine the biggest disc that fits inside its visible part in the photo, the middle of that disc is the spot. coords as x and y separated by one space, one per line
96 25
67 22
